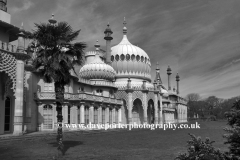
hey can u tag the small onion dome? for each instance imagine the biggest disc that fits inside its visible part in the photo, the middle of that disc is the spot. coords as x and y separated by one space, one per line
169 71
164 92
177 77
52 20
97 69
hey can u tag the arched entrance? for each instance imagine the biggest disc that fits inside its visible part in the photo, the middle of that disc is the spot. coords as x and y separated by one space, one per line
137 112
150 112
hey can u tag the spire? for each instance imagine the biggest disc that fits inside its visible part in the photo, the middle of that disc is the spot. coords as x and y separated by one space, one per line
52 20
108 37
124 27
169 72
158 77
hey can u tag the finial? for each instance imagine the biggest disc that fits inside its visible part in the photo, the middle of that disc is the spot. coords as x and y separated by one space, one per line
157 66
124 27
52 20
97 46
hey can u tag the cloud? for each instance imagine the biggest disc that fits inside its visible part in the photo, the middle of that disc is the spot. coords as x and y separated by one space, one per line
198 39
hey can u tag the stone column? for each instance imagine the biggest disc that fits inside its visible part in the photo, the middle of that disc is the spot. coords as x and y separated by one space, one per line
91 113
82 113
113 115
100 114
107 114
18 110
54 116
120 115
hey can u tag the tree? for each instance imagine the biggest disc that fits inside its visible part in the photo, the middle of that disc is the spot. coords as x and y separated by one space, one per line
193 97
233 135
212 104
55 59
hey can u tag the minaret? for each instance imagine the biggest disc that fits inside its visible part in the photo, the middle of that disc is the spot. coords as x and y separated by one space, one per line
177 79
108 37
169 72
158 77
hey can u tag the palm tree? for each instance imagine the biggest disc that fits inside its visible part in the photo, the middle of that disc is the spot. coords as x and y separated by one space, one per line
55 59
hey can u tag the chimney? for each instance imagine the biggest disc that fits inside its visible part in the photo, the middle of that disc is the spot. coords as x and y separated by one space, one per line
108 37
3 6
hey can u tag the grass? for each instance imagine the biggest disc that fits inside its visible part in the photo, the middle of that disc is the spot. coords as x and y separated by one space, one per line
123 145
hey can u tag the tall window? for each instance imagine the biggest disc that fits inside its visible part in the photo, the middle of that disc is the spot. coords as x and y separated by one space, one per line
47 117
110 116
69 115
7 115
111 94
48 87
103 116
116 116
86 116
95 116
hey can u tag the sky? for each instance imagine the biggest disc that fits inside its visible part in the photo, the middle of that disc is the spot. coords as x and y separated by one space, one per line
200 40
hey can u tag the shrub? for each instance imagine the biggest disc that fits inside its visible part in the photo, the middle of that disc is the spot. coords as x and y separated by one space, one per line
201 150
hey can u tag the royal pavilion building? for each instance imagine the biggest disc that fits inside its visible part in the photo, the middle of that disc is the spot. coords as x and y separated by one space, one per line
114 85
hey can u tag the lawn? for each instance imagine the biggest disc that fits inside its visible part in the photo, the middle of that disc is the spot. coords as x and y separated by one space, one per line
122 145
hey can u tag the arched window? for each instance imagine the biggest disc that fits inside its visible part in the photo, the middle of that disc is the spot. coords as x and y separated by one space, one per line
138 57
112 58
122 57
127 57
133 57
47 117
7 122
111 94
142 58
117 57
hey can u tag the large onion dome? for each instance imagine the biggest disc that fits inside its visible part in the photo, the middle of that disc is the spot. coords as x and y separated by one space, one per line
129 60
97 69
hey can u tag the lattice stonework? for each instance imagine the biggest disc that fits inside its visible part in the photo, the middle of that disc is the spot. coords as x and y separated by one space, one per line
8 65
121 95
138 94
150 95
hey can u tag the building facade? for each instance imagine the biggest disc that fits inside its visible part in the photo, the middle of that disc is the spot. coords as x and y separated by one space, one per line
113 86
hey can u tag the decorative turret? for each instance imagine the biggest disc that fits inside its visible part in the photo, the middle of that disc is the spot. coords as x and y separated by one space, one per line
177 79
169 72
21 35
158 77
97 46
108 37
52 20
3 6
